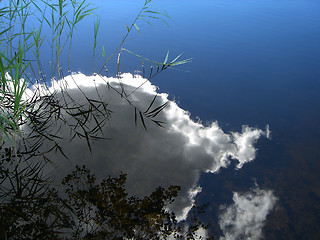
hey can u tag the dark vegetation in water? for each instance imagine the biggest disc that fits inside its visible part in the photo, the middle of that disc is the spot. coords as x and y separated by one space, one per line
89 210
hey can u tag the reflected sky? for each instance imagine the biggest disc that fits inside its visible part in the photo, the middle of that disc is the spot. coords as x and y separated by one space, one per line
173 155
254 63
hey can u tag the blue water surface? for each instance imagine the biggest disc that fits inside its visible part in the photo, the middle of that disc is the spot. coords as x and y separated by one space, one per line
254 63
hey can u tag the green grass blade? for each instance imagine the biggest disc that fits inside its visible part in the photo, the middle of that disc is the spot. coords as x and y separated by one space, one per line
137 28
166 58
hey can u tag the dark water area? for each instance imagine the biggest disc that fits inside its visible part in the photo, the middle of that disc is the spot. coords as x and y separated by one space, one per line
253 63
258 63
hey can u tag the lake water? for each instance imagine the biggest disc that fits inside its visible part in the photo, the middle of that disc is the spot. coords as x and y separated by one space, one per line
253 63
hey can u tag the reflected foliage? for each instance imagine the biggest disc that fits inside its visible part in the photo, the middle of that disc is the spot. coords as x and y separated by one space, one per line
29 207
105 211
88 210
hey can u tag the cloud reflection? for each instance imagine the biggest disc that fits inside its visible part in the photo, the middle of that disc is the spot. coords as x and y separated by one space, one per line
173 155
245 218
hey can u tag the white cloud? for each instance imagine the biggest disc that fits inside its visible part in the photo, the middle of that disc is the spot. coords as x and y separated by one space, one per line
245 218
173 155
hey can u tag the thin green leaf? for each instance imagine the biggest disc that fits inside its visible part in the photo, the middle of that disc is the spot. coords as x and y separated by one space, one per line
103 52
137 28
166 58
145 21
176 58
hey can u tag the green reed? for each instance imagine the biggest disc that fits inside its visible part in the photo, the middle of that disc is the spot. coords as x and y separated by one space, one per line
20 49
22 38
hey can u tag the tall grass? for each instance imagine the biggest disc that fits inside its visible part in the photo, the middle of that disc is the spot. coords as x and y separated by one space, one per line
21 41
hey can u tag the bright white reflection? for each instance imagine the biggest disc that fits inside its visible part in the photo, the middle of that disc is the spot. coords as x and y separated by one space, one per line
173 155
245 218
